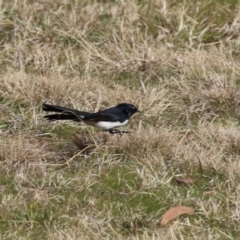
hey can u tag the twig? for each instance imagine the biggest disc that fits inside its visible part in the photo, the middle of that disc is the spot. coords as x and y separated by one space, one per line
200 165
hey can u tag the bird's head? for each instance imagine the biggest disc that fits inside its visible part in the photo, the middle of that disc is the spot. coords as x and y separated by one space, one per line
128 108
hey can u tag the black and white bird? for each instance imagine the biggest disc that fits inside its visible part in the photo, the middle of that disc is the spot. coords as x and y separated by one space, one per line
107 119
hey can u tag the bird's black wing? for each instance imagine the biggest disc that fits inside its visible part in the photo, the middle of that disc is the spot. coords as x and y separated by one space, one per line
104 116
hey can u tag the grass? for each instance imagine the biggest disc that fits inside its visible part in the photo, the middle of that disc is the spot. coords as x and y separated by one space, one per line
177 61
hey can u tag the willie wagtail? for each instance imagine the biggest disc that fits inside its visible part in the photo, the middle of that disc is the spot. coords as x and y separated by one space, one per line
107 119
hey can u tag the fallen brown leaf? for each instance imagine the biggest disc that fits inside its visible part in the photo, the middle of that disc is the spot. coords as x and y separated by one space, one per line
175 212
187 181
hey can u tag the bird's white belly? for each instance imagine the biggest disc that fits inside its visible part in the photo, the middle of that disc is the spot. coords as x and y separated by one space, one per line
106 125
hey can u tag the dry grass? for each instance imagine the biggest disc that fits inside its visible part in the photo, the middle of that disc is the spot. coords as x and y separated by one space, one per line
178 61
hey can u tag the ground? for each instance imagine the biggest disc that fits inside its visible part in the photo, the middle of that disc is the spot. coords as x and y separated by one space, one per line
177 61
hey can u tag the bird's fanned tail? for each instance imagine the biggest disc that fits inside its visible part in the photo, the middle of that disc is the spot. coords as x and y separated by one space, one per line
65 113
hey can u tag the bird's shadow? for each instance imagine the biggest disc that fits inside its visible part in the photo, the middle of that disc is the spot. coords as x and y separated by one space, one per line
87 141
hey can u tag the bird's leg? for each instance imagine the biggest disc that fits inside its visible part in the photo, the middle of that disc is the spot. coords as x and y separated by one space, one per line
114 131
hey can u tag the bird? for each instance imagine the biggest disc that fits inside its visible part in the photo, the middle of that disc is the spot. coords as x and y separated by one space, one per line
108 119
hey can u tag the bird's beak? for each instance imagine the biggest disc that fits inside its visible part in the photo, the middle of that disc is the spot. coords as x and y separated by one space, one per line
139 111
